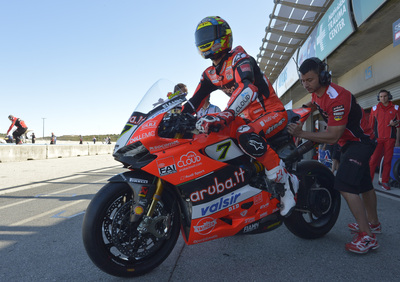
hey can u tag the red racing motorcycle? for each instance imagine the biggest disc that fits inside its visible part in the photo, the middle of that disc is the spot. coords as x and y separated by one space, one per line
200 185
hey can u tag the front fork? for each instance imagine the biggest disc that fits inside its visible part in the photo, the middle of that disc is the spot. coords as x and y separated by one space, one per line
156 197
148 222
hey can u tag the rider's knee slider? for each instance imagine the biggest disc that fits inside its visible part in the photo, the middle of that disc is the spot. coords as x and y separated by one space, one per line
250 142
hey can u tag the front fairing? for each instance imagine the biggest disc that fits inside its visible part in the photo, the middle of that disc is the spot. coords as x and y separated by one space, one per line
142 123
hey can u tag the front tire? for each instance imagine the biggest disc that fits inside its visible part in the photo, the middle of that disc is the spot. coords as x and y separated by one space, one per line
318 204
115 245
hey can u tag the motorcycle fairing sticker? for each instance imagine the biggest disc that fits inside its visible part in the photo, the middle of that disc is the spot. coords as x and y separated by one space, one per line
208 188
224 151
224 202
167 106
166 166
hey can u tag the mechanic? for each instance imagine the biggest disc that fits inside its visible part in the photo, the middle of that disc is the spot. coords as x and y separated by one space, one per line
384 120
347 125
21 128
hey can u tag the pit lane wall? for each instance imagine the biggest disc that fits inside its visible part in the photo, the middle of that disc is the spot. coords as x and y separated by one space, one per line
18 153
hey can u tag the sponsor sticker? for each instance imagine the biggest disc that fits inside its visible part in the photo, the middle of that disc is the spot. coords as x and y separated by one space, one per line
245 67
147 125
138 180
257 145
251 227
205 225
142 136
338 108
189 160
164 146
258 199
166 166
219 186
224 202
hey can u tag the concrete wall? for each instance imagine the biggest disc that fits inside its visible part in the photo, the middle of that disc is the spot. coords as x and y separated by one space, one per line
385 66
17 153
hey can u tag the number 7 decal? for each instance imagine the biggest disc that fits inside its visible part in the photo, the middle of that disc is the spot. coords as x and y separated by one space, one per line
224 147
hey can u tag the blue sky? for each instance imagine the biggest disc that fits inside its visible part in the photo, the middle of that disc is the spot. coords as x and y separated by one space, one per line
84 64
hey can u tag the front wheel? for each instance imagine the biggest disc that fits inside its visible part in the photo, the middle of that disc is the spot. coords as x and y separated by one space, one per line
318 204
121 247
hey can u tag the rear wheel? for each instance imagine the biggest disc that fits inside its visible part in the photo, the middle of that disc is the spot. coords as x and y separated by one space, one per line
318 204
396 171
115 244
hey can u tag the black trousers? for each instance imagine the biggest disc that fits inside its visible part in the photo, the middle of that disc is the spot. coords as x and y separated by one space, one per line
18 133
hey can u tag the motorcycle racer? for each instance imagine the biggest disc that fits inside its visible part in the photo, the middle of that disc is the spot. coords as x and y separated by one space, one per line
251 95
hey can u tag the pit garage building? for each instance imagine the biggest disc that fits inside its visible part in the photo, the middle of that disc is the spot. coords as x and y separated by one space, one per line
358 39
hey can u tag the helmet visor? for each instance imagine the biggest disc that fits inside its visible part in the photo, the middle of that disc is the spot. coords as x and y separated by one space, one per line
207 34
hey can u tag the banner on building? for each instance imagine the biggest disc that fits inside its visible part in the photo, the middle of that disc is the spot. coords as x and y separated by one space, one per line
287 77
363 9
331 31
396 33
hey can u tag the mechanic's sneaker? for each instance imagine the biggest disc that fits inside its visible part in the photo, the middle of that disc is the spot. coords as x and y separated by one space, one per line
385 186
362 243
375 228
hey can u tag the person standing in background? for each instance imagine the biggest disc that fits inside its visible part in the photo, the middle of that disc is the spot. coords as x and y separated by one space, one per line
53 139
181 88
208 108
21 128
384 120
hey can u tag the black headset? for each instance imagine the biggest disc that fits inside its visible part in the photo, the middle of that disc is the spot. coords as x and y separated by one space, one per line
388 93
325 77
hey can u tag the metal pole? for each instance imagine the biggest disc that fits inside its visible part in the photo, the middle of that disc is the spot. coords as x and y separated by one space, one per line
43 127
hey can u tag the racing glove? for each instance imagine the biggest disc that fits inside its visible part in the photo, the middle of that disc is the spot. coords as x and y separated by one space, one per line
214 123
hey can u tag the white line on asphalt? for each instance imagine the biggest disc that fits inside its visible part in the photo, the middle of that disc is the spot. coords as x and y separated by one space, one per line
26 187
66 178
21 222
54 193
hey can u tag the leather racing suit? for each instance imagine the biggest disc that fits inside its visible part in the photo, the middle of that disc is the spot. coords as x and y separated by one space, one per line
236 73
253 97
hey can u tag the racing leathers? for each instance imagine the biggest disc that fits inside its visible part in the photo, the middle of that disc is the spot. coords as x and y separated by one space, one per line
21 129
253 98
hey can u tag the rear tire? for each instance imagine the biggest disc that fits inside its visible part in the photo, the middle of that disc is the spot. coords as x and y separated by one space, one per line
396 171
318 204
115 245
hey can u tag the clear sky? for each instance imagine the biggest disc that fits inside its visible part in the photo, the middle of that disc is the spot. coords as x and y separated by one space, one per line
84 64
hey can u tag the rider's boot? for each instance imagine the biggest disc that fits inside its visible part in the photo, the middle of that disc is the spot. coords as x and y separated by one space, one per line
279 174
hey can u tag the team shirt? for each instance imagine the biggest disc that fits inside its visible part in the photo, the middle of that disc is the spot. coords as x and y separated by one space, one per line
19 123
380 118
339 107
